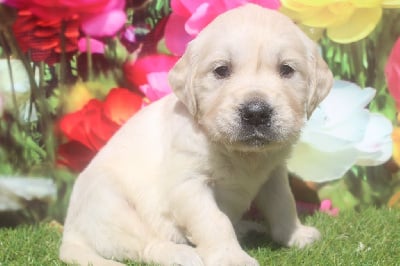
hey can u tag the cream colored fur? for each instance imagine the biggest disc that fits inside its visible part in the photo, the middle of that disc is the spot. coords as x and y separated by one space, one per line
172 183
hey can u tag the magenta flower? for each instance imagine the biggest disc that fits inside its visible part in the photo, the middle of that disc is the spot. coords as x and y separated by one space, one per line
149 74
157 86
392 72
189 17
97 17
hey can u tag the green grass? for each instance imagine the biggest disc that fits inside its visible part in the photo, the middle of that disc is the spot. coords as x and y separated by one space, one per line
370 237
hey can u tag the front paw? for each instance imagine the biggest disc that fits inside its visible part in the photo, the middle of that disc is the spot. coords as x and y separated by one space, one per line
303 236
227 256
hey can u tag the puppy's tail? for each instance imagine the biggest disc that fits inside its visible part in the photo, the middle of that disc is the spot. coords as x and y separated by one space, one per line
80 254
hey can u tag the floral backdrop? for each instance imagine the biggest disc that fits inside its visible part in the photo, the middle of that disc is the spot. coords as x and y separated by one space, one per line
72 72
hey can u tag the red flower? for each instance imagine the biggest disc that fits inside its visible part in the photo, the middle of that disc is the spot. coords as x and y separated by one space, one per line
392 72
42 37
91 127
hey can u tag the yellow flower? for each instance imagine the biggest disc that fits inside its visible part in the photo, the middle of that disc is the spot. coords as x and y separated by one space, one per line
77 97
346 21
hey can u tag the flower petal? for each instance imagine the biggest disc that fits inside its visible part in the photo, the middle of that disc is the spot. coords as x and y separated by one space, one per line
203 15
349 96
376 146
271 4
96 47
137 71
75 125
105 24
392 72
158 86
315 165
176 37
360 24
74 155
192 5
121 104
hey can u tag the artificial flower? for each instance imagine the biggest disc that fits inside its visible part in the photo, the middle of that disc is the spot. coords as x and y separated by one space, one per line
327 207
77 97
346 21
97 17
310 208
74 155
157 86
392 72
394 201
90 128
340 134
149 74
94 47
42 37
18 192
396 145
189 17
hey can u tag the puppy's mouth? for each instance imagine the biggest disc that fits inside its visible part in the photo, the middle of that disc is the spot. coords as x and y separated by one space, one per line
254 139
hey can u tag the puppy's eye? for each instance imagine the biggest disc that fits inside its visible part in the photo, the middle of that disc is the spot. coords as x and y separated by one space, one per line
222 71
286 71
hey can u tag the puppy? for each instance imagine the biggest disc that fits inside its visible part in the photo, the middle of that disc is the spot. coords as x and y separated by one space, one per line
172 183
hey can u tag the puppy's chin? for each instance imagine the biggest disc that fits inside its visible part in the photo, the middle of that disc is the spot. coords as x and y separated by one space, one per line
255 142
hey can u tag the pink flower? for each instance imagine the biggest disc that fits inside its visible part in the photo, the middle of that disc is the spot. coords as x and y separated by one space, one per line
311 207
98 17
327 207
157 86
392 72
149 74
96 46
189 17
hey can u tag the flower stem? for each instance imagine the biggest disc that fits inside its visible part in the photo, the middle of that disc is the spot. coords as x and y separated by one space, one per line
89 59
11 76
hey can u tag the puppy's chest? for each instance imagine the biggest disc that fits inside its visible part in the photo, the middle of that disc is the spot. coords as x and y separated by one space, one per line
235 185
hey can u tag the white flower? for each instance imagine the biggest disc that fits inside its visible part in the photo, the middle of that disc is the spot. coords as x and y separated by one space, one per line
341 133
21 86
1 105
15 192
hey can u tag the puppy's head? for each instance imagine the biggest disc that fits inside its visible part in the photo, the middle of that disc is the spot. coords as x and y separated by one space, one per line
251 78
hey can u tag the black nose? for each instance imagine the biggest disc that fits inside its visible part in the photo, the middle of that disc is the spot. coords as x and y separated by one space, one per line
256 113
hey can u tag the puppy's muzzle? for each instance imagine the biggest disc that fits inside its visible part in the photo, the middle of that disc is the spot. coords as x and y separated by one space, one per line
256 113
256 123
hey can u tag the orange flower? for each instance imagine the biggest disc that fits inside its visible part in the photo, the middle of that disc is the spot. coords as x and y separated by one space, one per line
396 145
90 128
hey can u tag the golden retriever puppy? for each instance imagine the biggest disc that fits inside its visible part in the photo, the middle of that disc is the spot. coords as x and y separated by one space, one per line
172 183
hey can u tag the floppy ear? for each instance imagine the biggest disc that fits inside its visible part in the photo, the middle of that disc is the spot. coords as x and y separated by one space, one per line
181 81
320 81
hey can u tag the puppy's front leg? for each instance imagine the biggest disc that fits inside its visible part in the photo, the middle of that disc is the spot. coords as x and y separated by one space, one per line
196 211
275 200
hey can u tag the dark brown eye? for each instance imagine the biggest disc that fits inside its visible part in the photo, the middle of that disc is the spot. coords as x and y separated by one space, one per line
222 71
286 71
